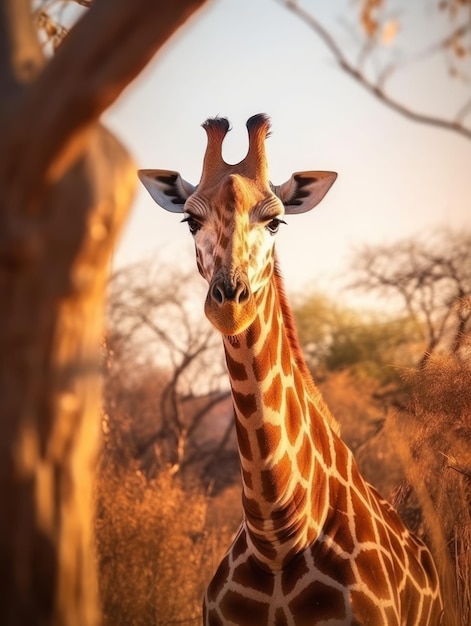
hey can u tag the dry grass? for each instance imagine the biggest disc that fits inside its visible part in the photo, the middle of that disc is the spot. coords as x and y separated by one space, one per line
354 402
159 543
434 441
157 550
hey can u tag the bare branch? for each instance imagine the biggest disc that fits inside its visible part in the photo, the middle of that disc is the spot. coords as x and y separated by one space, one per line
433 279
454 125
435 48
214 401
150 305
463 112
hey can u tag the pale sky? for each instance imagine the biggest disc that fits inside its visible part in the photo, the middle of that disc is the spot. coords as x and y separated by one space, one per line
240 57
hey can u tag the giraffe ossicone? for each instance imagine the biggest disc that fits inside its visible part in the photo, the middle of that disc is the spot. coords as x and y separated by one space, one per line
318 544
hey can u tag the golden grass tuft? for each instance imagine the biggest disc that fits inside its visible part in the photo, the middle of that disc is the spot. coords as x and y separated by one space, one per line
159 542
434 440
156 549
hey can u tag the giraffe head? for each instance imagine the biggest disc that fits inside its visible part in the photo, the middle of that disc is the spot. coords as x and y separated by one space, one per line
233 215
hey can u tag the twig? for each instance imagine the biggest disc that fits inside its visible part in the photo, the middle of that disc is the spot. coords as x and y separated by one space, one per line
374 89
464 111
452 465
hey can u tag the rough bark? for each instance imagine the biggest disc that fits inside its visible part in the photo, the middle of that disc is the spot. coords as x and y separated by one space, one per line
65 185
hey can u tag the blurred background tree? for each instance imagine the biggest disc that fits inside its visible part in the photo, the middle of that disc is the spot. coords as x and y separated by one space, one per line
66 184
432 277
166 372
368 343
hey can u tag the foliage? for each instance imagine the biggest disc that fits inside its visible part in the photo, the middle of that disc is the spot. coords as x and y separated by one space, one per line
335 338
53 19
371 345
158 540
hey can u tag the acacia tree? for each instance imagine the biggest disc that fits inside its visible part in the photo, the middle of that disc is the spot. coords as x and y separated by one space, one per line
160 346
432 279
65 185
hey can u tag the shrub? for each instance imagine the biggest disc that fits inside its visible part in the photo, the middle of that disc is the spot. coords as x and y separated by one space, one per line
156 548
434 440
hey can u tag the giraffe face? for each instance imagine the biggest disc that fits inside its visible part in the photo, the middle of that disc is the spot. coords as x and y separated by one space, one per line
233 215
234 227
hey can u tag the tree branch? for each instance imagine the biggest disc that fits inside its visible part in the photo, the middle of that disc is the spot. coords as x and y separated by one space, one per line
121 37
198 416
376 90
435 48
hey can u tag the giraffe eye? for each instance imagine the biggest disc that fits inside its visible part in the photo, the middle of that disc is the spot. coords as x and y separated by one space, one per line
193 225
273 225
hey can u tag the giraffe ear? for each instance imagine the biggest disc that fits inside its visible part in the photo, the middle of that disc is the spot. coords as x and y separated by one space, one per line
304 190
167 188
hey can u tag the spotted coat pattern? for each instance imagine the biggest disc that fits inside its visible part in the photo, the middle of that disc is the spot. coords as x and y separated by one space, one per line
318 545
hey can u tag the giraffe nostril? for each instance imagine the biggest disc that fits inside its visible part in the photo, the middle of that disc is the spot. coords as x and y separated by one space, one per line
242 293
217 292
223 291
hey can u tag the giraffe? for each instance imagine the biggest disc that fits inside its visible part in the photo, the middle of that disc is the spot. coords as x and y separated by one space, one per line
318 544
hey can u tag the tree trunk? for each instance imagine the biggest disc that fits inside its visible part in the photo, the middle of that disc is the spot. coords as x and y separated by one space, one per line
51 322
65 185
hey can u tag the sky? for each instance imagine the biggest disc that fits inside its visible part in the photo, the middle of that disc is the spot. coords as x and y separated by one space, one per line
240 57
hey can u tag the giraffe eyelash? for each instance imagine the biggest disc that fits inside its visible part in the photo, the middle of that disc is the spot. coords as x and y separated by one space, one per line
193 224
274 225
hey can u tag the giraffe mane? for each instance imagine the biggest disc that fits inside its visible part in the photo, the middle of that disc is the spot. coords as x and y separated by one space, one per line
296 351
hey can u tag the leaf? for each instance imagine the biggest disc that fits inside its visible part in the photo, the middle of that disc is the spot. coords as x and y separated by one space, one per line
389 32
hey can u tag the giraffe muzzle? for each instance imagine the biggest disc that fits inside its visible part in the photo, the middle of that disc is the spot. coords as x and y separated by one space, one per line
223 290
230 304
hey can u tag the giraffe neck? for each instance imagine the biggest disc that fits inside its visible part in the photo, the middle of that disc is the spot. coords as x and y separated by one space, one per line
283 432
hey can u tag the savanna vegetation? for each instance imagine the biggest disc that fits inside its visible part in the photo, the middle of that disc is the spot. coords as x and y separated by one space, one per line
399 383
